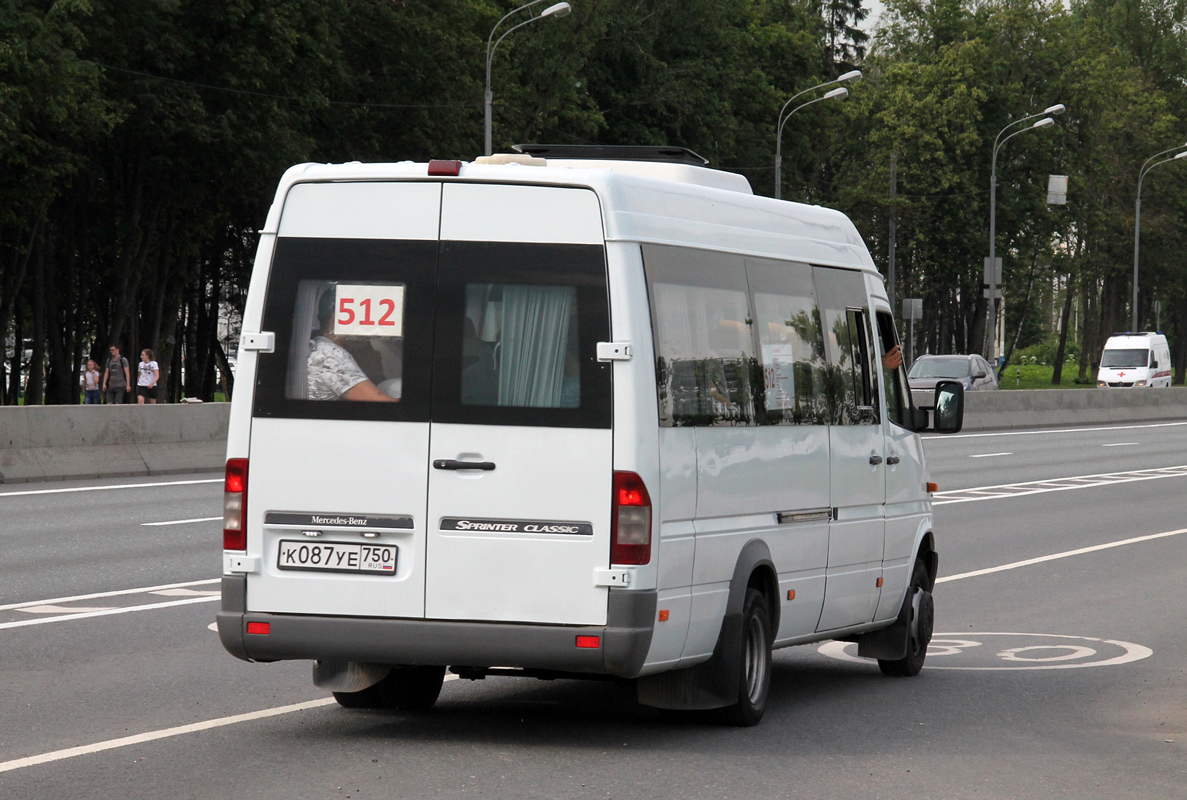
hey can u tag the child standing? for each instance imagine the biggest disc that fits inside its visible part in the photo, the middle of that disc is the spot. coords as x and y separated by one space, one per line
90 386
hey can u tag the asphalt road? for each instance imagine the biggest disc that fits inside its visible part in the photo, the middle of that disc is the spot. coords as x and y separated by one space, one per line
1058 670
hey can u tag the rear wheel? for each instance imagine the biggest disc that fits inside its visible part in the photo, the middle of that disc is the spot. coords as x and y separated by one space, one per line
919 612
404 688
754 680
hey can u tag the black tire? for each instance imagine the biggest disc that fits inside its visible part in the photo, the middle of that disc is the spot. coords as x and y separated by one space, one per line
404 688
754 663
919 613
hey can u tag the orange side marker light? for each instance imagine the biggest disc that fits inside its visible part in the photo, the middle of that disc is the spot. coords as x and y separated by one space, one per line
791 594
879 583
932 487
663 615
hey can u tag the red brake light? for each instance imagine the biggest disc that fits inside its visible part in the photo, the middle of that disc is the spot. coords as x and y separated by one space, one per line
589 642
261 628
235 505
630 520
444 168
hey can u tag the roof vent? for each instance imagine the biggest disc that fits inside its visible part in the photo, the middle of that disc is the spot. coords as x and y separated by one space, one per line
512 158
614 152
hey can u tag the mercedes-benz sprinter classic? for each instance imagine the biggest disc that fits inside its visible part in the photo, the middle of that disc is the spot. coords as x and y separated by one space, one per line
604 413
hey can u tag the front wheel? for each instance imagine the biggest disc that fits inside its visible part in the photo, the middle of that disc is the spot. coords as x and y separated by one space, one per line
404 688
919 611
754 680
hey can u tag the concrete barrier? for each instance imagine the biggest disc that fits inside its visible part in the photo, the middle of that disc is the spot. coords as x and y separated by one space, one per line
1047 408
55 442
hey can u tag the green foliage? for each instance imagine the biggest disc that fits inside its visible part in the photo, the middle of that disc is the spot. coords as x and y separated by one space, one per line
145 139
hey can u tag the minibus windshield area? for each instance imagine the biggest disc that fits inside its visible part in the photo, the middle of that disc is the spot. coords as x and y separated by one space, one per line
940 368
1124 359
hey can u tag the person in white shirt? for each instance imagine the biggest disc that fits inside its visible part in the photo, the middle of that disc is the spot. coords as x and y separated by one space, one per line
148 375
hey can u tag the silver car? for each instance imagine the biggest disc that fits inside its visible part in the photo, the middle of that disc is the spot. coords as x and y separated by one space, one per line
971 371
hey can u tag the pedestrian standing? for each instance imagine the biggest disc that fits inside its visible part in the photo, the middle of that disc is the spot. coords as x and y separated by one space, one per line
146 382
90 386
117 377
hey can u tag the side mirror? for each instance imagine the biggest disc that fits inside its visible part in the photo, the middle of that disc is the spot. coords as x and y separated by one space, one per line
979 375
1155 364
949 408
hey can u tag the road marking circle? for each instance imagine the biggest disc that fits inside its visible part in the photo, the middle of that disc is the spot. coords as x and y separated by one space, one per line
1015 654
968 648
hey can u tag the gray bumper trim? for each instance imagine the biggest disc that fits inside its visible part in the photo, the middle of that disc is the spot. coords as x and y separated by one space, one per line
625 640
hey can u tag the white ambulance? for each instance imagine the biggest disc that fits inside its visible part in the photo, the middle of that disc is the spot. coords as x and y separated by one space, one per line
574 412
1135 359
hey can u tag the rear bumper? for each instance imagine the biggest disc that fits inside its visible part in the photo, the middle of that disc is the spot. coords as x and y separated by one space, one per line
625 639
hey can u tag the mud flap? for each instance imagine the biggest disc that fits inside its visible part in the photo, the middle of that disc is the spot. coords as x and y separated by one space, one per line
713 684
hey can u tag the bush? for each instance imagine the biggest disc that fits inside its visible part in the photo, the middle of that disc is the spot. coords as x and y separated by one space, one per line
1044 352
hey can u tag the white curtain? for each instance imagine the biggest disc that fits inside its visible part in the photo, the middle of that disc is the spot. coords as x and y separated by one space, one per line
535 338
296 385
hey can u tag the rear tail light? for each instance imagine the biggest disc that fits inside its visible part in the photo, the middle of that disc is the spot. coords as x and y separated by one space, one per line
235 505
630 521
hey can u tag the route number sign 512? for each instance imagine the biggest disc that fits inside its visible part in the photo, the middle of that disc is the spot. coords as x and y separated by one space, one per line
369 310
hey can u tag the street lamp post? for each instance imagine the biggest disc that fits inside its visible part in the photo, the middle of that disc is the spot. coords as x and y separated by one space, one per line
998 143
557 10
1137 218
785 115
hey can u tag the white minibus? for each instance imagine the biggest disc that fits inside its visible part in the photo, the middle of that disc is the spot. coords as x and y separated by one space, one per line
572 412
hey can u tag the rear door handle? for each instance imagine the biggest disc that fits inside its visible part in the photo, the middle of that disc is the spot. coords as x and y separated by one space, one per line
875 460
892 460
449 463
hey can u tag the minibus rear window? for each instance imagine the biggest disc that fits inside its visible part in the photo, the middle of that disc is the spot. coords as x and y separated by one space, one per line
519 346
352 320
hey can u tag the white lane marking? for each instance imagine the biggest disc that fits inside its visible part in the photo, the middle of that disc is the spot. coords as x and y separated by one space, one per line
1119 444
1055 485
181 730
186 593
212 627
62 609
1055 556
104 613
140 738
179 521
109 488
1045 432
118 593
990 455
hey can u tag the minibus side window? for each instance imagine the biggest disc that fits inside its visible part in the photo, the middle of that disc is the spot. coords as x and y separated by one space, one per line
844 310
894 381
791 346
704 346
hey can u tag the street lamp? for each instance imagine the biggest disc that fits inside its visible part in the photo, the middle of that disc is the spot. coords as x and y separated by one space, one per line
998 143
1137 218
557 10
783 117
